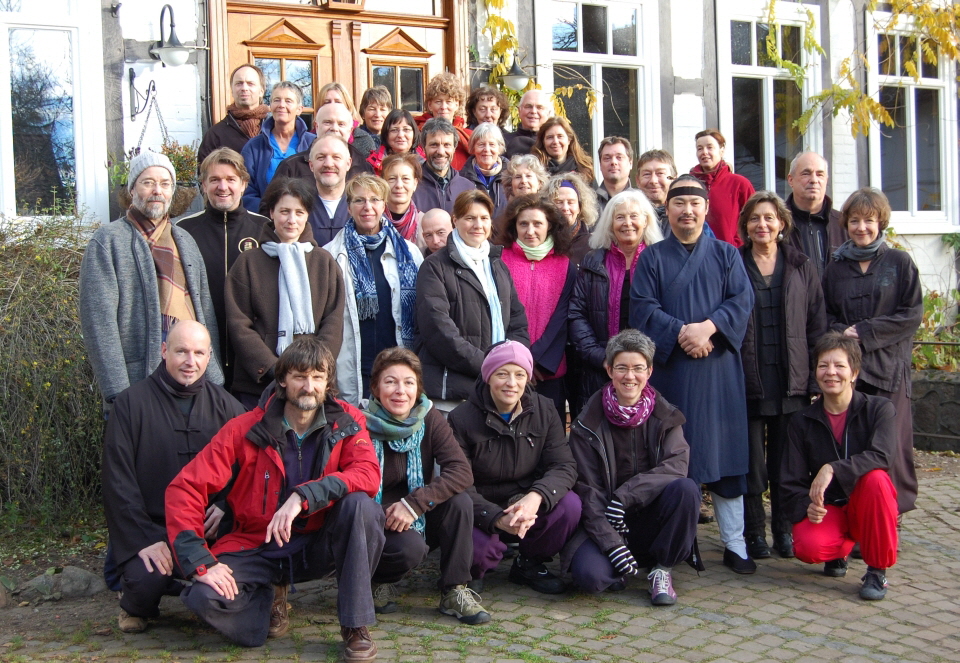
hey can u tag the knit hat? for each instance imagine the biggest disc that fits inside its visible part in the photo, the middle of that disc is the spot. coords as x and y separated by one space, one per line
508 352
147 159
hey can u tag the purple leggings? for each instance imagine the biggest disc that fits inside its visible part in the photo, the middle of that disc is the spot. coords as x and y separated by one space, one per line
542 541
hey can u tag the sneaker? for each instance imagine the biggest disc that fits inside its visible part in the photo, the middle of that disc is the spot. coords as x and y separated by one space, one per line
358 646
661 588
874 585
533 574
130 624
741 565
836 568
384 594
464 604
757 547
279 613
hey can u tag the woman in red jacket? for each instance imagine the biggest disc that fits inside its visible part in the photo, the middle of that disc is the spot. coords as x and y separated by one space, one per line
728 192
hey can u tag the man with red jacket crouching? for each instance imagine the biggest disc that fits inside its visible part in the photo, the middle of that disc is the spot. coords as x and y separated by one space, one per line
303 474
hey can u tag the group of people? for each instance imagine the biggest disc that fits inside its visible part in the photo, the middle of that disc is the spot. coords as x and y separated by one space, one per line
404 333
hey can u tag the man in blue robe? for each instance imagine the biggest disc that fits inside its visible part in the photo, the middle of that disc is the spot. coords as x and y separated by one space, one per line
691 295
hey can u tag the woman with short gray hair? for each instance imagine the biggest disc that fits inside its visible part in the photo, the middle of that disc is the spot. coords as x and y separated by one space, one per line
485 166
523 174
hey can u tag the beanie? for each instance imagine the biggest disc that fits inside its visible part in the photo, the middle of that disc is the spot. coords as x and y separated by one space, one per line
147 159
508 352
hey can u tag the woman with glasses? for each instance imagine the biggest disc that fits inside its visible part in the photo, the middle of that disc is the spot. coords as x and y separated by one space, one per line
399 135
380 275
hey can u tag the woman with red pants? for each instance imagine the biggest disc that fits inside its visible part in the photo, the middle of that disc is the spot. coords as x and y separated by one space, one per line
834 480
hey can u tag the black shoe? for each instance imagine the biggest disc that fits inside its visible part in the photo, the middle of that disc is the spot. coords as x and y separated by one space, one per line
836 568
855 553
784 545
757 547
476 585
535 575
874 586
738 563
617 586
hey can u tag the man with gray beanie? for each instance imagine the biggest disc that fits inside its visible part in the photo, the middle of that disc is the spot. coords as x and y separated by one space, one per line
140 275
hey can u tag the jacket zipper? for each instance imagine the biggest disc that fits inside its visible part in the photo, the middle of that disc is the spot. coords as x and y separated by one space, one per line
226 271
603 453
266 486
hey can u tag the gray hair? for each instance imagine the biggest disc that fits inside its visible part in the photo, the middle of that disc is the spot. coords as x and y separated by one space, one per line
485 131
438 125
289 85
589 208
793 163
529 162
602 235
630 340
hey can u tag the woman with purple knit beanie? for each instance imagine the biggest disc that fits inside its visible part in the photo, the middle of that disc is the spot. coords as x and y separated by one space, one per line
523 470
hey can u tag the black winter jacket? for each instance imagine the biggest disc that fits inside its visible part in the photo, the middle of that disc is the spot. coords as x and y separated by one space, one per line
528 454
225 133
454 327
588 320
495 191
804 322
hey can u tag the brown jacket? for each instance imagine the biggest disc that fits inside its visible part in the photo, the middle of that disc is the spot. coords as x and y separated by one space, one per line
439 446
253 308
804 322
602 451
869 443
528 454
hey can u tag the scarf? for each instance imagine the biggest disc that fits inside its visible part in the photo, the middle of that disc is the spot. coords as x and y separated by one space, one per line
175 301
403 437
537 253
175 388
628 416
406 225
249 119
296 303
850 251
478 260
616 264
568 165
365 285
708 179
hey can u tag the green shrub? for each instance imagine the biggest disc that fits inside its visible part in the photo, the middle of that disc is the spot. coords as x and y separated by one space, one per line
51 425
937 328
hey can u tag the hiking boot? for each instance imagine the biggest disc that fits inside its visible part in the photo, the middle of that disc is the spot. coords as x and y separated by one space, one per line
757 547
874 585
661 588
358 646
384 594
464 604
279 613
130 624
533 574
836 568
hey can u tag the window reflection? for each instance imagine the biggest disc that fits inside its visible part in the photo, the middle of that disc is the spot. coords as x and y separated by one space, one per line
893 148
565 27
594 29
575 74
748 130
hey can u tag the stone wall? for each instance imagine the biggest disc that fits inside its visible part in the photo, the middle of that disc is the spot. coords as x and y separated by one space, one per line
936 410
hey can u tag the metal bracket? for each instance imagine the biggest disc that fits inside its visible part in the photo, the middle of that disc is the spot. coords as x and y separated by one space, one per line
136 96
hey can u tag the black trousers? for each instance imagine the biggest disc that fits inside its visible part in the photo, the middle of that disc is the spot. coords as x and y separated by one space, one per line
449 527
767 438
142 589
349 543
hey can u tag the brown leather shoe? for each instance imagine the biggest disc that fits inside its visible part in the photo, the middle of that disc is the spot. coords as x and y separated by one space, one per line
357 644
279 613
130 624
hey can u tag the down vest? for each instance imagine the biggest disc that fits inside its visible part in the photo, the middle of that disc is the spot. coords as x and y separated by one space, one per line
804 322
453 320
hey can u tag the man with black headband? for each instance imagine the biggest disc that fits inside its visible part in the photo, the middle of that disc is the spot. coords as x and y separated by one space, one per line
692 296
156 427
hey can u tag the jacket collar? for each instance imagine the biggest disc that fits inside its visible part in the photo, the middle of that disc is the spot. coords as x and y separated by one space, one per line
269 431
823 214
817 411
592 415
594 262
495 252
482 399
232 217
791 256
268 233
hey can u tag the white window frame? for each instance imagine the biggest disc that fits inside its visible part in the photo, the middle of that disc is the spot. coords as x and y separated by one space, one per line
646 63
754 11
912 221
83 23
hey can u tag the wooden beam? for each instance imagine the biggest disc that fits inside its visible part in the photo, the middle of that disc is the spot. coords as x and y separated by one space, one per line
358 85
308 11
219 60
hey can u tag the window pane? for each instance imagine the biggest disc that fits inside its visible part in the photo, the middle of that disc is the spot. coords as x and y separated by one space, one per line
620 116
300 72
927 114
576 74
893 148
386 76
594 29
41 109
908 53
624 30
411 89
271 73
52 7
565 27
929 69
787 107
748 130
886 55
741 48
763 60
790 43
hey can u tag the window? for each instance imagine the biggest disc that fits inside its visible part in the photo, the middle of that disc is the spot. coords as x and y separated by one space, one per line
404 81
299 71
759 101
601 44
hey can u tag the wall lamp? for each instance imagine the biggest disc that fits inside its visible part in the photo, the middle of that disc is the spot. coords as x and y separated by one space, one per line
170 51
516 79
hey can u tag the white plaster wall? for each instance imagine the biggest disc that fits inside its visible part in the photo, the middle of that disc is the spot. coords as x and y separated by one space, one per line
409 7
140 19
689 117
686 26
934 260
843 166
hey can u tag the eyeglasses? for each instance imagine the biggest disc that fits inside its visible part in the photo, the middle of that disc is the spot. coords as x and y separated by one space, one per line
150 185
363 201
622 370
404 129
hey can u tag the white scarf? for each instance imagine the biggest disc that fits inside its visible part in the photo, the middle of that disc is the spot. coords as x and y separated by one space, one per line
478 260
296 305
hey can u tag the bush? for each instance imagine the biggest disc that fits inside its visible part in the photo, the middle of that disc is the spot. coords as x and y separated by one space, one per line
51 423
937 328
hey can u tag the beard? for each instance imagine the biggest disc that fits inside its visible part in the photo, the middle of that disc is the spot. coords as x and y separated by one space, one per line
154 207
306 402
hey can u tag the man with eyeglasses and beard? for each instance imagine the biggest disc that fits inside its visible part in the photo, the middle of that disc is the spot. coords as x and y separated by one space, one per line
140 275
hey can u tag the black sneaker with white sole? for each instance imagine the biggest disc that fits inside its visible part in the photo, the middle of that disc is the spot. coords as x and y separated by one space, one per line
535 575
874 586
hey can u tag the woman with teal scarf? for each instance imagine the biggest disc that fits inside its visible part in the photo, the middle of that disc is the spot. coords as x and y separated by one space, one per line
422 510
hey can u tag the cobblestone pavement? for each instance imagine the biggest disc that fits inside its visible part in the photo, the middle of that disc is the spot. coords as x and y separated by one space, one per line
786 612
